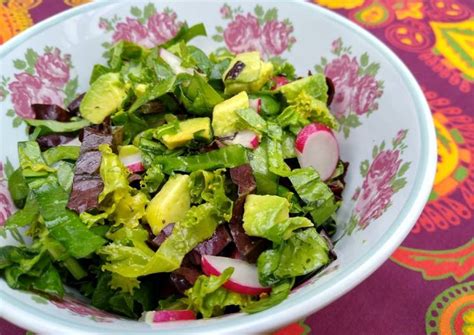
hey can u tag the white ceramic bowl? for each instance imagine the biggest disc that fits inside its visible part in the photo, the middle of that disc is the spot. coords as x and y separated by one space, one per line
387 134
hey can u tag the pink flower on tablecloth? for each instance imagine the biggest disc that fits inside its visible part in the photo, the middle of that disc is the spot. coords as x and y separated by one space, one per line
104 24
365 94
133 31
81 308
276 37
243 34
28 89
162 27
343 73
6 204
400 136
52 68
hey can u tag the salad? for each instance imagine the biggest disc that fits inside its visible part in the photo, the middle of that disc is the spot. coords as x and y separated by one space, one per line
181 185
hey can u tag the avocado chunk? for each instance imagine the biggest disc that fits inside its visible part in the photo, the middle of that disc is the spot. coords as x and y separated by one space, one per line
104 98
188 130
246 72
170 204
224 119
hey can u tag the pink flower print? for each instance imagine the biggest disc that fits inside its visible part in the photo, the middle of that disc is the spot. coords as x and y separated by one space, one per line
6 203
343 73
28 89
275 37
243 34
133 31
372 207
365 94
53 69
336 46
162 27
383 169
104 24
225 11
400 136
80 308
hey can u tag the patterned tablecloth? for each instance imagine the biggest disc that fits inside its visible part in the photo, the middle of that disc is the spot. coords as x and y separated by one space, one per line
427 286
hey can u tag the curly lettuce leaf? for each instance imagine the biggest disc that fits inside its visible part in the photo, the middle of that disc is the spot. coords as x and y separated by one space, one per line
304 252
152 179
199 224
267 216
210 187
118 200
209 298
314 85
227 157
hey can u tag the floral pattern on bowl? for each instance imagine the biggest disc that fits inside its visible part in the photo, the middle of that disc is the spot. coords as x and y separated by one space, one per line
146 26
259 31
44 78
357 89
6 204
382 179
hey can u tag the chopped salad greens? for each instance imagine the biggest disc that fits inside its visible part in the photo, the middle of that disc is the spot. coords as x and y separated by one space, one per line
183 181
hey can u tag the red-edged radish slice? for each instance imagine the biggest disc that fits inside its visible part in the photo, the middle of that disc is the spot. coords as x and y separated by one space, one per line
245 138
131 157
279 81
169 315
244 279
174 62
317 147
256 104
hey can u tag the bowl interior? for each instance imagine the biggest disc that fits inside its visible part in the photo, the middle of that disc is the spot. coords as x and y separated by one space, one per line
386 131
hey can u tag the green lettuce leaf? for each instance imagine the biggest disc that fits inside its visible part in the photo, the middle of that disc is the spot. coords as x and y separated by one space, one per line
25 216
198 96
280 292
31 161
267 216
152 179
227 157
276 162
186 34
18 188
52 126
65 174
30 269
251 120
267 181
304 252
63 225
315 193
60 153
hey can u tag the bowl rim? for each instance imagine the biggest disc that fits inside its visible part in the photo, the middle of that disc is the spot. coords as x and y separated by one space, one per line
33 318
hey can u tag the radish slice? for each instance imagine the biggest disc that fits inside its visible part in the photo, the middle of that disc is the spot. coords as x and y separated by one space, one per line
245 138
256 104
168 315
174 62
279 81
244 279
131 157
317 147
